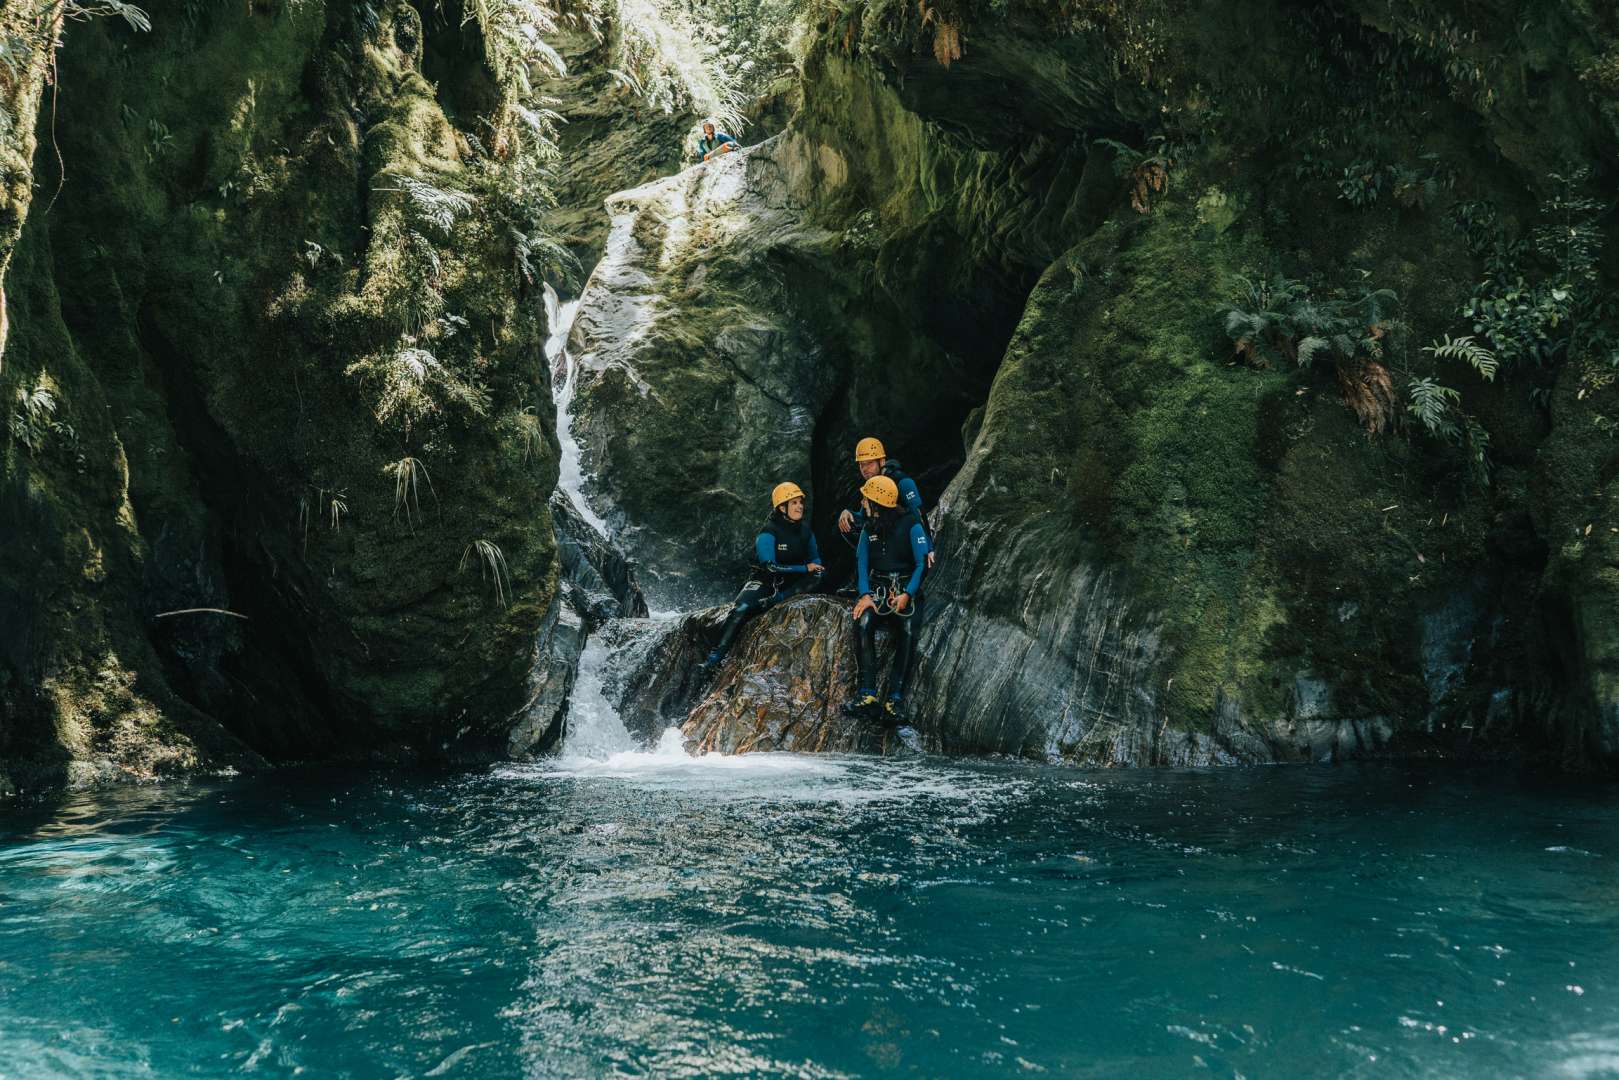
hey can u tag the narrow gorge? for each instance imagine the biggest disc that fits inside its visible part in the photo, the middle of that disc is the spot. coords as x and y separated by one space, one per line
1252 427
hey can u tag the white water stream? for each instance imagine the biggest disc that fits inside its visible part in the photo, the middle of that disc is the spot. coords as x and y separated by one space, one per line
596 742
564 384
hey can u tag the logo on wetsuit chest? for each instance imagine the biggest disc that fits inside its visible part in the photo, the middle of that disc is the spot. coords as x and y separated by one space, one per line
781 547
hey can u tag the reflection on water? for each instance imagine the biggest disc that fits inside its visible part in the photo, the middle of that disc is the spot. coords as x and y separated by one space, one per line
652 913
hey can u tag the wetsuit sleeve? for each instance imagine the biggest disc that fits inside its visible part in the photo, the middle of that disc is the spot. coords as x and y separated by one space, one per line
911 496
919 552
764 547
862 561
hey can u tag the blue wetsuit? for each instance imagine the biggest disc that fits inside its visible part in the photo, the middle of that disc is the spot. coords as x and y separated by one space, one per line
910 497
765 552
893 550
782 554
708 146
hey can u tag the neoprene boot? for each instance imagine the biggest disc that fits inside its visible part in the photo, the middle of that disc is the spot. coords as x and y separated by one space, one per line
861 706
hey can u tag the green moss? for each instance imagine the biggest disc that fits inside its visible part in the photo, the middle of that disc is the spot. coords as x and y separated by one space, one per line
231 243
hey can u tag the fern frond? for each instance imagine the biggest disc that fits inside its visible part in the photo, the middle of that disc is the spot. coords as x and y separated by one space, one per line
1309 348
1432 403
1464 348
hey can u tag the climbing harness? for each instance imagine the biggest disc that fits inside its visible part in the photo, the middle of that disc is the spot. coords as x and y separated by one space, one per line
881 593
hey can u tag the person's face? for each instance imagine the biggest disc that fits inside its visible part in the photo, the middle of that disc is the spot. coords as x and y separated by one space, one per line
708 131
865 504
868 469
794 509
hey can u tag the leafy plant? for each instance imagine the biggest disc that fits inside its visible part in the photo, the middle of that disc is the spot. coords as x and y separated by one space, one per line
1538 297
1438 408
158 140
1280 320
33 421
408 473
1465 349
435 207
323 504
514 46
412 384
492 564
1146 171
532 432
1363 183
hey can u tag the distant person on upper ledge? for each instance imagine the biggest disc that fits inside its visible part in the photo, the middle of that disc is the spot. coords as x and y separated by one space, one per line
787 561
872 460
889 559
713 143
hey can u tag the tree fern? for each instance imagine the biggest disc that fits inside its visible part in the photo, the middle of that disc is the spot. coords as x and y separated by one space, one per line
1310 348
434 206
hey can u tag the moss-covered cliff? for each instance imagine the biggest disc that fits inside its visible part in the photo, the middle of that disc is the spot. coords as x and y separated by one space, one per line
273 353
1223 500
1260 358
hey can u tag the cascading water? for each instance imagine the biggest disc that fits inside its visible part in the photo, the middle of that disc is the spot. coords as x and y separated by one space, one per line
596 741
564 382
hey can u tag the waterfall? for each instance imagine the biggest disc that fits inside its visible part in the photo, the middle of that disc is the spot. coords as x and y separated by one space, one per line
564 383
595 732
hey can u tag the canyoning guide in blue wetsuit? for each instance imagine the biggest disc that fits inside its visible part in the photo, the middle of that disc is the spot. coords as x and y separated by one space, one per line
872 460
713 143
890 560
787 561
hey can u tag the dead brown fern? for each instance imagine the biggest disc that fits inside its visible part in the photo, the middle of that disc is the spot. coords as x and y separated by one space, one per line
1147 179
946 34
1368 392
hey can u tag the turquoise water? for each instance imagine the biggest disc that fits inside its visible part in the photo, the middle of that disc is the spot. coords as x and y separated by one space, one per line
816 917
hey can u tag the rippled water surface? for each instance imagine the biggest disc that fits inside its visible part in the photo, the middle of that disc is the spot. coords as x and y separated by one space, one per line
780 915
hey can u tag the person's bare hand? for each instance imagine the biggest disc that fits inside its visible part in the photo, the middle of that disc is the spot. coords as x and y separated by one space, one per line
901 601
863 605
933 557
815 568
845 521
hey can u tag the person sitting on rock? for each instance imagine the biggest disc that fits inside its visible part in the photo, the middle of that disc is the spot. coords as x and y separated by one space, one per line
787 561
890 559
714 143
872 460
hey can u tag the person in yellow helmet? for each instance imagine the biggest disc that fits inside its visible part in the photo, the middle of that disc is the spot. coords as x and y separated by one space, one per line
786 562
889 560
872 460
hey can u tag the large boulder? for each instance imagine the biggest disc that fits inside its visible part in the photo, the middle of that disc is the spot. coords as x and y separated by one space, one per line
782 687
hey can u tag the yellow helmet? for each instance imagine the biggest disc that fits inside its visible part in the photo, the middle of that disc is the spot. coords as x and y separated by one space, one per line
785 492
869 449
881 490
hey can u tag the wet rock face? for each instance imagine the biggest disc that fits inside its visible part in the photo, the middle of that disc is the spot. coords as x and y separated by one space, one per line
698 385
782 687
285 392
656 687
